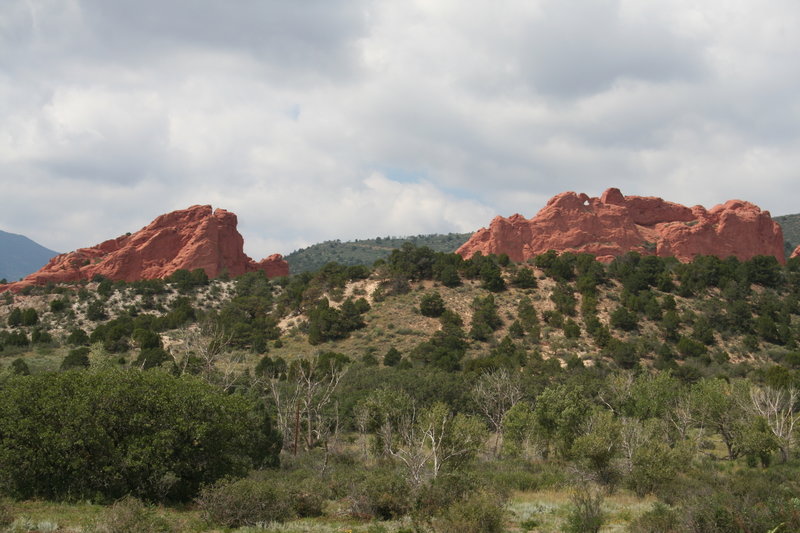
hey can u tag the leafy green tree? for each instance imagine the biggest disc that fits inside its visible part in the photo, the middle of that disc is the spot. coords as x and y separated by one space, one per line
77 358
560 412
623 319
446 347
108 433
151 358
653 466
719 405
691 348
392 357
30 317
526 314
571 329
596 448
448 276
492 278
20 367
59 304
15 317
670 325
703 332
524 279
485 319
564 298
325 323
95 311
519 425
432 305
764 270
412 262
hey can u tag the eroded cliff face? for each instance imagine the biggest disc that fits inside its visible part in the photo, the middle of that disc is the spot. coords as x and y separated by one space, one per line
197 237
614 224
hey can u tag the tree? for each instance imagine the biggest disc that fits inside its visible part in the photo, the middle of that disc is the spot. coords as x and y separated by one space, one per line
30 317
392 357
108 433
77 358
453 439
560 412
623 319
304 401
432 305
424 441
77 337
14 317
720 406
518 428
485 319
598 445
492 278
20 367
564 298
524 279
495 393
777 407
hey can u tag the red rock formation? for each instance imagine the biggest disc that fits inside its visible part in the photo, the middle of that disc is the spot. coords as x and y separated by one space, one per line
187 239
615 224
796 253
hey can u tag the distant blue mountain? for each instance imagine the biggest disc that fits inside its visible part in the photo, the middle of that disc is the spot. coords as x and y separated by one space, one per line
20 256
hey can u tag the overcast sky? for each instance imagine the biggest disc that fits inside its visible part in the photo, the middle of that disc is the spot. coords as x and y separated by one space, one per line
325 119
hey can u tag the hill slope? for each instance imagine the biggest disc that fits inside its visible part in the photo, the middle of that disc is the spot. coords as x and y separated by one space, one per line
791 230
19 256
366 251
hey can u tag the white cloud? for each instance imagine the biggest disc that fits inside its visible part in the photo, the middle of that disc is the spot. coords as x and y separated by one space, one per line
354 118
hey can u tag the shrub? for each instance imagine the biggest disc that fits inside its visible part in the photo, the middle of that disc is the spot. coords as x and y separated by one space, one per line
432 305
130 515
623 319
585 514
479 513
77 358
384 494
77 337
19 366
524 279
6 516
107 433
245 502
660 519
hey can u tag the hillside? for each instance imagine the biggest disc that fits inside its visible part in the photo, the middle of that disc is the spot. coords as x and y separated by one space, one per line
550 375
19 256
366 251
791 231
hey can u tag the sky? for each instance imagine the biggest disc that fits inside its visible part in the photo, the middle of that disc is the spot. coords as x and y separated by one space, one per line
341 119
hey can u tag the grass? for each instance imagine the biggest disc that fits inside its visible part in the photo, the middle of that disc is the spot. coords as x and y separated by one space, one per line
540 511
546 511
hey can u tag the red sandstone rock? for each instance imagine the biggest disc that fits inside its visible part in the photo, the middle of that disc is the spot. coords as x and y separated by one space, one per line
615 224
796 253
187 239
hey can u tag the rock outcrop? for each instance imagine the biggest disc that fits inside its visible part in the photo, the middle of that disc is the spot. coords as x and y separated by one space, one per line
197 237
614 224
796 253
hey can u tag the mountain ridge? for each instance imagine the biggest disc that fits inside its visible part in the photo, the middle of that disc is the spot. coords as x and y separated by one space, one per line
21 255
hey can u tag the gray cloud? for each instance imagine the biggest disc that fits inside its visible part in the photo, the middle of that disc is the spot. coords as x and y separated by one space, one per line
341 119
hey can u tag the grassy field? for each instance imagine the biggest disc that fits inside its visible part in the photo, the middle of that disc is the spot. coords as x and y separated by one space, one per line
541 512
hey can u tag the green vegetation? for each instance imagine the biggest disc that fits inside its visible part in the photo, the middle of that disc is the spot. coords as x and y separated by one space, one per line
366 251
421 394
790 224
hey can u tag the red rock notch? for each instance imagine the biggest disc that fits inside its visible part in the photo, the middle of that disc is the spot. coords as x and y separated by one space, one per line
615 224
187 239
